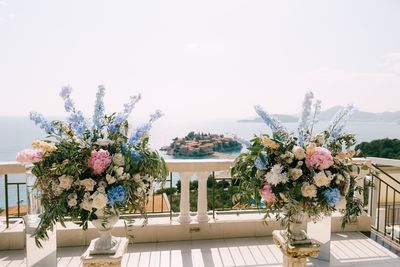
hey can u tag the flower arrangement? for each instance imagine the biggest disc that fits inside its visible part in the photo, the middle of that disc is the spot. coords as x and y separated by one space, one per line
88 171
303 174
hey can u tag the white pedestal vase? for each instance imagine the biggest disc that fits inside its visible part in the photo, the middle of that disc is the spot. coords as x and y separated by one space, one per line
46 256
106 243
295 233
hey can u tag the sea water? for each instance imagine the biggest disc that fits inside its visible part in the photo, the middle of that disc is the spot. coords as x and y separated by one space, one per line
17 133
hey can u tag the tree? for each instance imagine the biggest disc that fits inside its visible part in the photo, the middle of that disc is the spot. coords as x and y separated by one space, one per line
382 148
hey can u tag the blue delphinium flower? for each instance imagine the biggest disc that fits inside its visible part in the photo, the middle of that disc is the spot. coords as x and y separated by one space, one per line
332 196
99 107
42 122
69 104
240 140
340 119
139 133
76 117
128 107
136 156
144 129
156 115
65 92
304 120
273 123
78 128
259 162
116 195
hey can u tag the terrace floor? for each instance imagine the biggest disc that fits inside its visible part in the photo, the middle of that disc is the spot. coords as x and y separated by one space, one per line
347 249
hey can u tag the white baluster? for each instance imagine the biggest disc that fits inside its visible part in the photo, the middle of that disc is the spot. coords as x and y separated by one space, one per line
202 215
184 216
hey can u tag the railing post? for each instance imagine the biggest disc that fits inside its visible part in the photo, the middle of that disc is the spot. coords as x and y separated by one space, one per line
184 206
6 193
202 215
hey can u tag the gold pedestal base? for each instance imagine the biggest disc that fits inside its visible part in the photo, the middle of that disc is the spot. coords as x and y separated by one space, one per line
294 255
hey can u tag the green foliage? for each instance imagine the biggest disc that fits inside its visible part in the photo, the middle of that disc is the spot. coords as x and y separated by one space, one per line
381 148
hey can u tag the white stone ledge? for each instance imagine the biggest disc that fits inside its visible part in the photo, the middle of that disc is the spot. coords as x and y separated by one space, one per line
161 229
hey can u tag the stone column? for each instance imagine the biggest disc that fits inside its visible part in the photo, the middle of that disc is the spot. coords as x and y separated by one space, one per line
202 215
184 216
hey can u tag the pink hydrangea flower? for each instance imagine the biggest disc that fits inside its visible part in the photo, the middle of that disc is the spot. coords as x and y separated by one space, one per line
29 156
99 160
320 159
266 193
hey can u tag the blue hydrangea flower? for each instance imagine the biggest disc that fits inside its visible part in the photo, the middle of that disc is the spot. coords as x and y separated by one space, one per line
99 107
332 196
259 163
116 195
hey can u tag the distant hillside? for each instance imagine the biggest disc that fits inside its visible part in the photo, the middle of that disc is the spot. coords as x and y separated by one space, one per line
281 117
326 115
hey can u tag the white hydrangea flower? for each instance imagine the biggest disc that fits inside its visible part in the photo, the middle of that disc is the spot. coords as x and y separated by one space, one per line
275 176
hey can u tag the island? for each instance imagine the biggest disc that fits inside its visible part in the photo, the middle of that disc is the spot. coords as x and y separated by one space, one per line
201 144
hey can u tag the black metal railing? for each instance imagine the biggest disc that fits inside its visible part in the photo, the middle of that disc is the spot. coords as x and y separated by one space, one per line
6 195
385 210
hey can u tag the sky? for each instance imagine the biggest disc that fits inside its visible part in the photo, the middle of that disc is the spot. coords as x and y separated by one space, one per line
199 60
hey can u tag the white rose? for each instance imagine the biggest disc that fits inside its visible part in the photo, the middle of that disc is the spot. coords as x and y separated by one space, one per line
118 159
103 184
295 173
110 179
119 171
72 202
136 178
126 176
298 152
65 181
99 201
86 205
72 196
104 142
101 189
308 190
88 184
320 179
